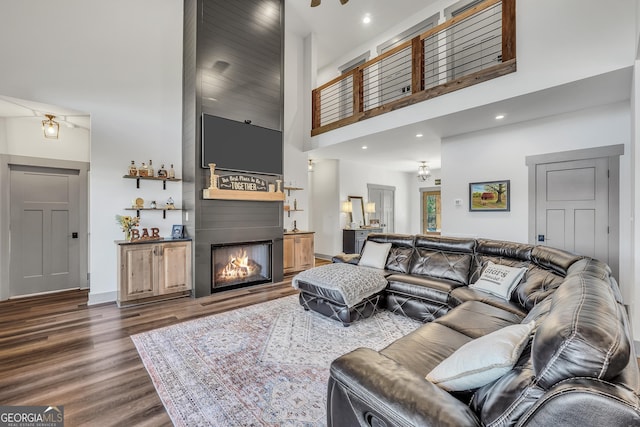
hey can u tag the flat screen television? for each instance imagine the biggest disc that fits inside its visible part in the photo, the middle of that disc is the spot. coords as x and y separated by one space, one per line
240 147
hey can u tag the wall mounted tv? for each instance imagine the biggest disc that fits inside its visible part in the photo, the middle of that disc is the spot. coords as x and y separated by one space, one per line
241 147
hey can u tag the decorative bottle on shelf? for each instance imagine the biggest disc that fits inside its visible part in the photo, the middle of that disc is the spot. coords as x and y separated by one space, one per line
295 204
172 172
150 168
143 171
133 170
162 172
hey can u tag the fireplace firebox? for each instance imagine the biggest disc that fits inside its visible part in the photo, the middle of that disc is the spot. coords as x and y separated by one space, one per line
235 265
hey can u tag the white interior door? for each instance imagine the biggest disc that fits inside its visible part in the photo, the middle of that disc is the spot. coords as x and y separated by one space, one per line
44 227
572 206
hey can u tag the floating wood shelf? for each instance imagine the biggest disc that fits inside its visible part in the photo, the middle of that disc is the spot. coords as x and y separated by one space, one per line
164 210
290 189
151 178
261 196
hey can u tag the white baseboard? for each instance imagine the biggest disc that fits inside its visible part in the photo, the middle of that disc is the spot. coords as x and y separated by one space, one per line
102 298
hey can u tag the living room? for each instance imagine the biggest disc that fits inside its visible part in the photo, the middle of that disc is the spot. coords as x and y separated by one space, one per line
120 63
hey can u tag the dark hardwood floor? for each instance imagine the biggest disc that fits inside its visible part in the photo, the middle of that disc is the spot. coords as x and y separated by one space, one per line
54 350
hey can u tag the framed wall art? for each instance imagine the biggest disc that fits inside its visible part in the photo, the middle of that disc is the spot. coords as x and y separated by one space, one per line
490 196
177 232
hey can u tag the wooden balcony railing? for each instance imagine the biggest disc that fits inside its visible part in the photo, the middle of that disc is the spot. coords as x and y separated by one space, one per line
473 47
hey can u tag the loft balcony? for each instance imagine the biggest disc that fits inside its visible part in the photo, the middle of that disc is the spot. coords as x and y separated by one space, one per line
476 46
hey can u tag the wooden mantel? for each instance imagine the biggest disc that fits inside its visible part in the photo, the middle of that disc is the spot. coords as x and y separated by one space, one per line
261 196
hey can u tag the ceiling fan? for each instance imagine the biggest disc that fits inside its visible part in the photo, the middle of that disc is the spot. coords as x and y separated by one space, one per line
315 3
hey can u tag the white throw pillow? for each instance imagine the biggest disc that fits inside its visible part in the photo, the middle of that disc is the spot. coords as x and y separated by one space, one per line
374 254
499 280
482 360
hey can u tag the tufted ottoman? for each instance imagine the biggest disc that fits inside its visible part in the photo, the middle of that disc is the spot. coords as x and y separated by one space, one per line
343 292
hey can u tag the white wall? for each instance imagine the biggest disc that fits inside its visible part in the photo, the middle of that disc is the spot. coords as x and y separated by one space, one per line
325 217
295 159
24 137
333 181
500 154
120 61
634 154
3 135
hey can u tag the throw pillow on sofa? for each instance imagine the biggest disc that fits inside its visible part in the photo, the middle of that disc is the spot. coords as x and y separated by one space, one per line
374 254
482 360
499 280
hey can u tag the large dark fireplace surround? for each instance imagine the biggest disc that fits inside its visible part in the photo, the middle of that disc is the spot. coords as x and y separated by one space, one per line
237 244
225 232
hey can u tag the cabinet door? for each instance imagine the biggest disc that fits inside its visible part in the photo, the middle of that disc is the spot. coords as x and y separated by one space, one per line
174 265
137 271
288 260
361 237
304 257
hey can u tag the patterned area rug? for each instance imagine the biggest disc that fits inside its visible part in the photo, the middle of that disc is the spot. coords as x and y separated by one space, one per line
267 364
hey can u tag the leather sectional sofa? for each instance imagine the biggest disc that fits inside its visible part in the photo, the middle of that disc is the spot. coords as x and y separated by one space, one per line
577 368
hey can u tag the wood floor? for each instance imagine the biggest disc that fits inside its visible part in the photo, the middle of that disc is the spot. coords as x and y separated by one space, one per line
54 350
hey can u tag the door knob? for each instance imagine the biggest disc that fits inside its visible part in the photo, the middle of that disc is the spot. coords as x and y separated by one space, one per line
74 235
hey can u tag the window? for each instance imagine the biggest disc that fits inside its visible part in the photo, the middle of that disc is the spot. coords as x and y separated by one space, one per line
431 216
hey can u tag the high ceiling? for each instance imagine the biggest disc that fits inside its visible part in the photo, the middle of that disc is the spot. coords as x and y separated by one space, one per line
339 28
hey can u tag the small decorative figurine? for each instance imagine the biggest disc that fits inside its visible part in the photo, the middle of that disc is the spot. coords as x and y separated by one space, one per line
170 204
213 179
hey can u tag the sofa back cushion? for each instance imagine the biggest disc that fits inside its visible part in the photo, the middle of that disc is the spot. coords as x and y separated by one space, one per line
443 258
554 259
401 252
583 335
499 252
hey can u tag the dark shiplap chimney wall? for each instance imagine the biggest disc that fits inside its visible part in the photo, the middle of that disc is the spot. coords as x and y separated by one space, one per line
233 68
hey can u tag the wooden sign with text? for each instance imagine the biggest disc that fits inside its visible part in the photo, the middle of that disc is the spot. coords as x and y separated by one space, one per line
242 183
154 235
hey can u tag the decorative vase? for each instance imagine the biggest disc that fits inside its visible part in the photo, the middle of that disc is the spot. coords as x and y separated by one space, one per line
279 185
127 235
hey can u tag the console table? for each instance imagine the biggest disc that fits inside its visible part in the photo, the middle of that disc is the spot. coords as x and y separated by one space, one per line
353 239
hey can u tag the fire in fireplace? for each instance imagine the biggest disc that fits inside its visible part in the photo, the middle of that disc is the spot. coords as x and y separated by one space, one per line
240 264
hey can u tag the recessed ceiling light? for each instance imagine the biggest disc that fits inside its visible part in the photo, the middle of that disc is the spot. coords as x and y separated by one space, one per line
364 147
500 117
418 135
366 19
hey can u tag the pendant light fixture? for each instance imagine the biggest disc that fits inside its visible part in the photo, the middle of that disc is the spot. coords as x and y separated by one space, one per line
50 127
423 171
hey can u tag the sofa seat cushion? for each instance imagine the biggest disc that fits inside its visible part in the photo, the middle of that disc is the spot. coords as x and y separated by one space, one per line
476 319
464 293
423 349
